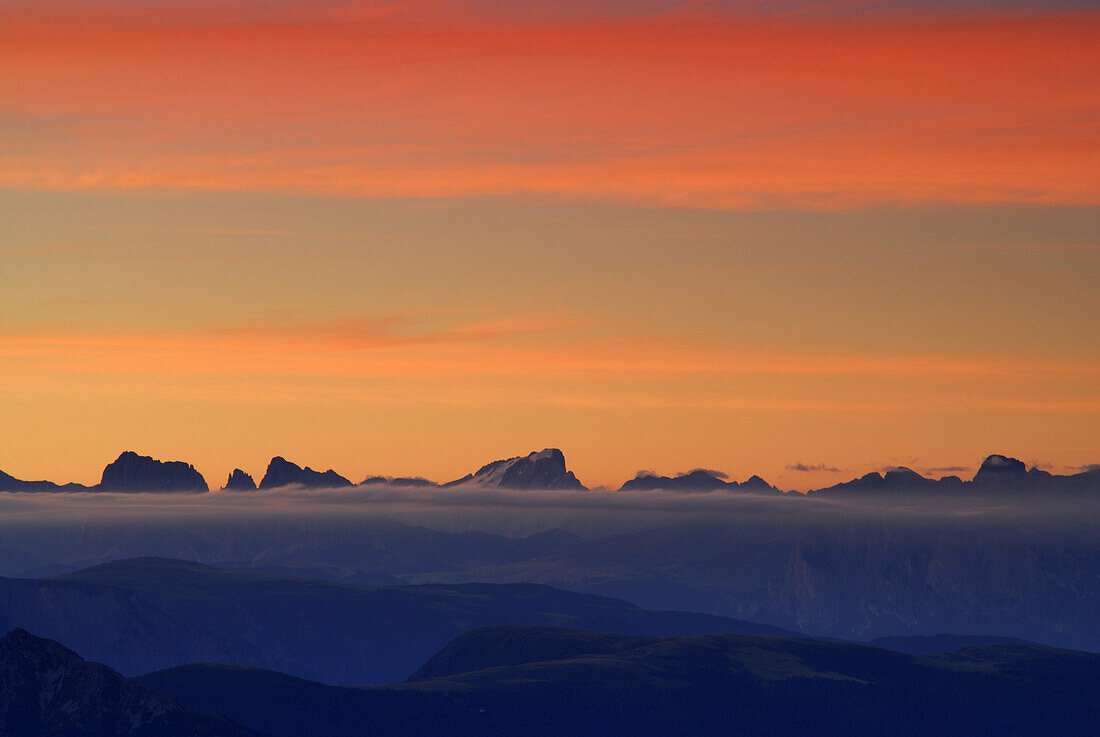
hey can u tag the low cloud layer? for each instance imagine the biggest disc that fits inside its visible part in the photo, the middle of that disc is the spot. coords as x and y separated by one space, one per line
512 512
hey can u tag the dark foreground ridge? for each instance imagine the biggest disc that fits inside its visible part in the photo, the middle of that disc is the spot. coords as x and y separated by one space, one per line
49 691
553 682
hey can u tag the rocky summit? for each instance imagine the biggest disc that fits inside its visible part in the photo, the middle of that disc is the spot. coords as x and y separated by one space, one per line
700 479
239 481
697 480
10 483
544 469
998 469
281 472
133 472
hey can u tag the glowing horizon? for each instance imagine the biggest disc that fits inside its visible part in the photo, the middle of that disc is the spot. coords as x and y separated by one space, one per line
408 238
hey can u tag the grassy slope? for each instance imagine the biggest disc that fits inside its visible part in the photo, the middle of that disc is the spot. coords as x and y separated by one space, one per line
700 685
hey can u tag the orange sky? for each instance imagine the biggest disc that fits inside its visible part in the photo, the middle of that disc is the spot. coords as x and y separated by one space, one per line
741 114
414 237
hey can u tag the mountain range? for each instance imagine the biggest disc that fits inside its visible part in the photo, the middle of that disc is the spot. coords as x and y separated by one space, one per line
144 614
700 479
507 680
546 469
997 474
1026 568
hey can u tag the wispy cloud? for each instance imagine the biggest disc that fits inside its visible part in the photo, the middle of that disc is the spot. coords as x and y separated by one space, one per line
711 472
812 467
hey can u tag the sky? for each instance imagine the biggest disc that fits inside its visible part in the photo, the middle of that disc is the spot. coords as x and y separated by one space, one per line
805 240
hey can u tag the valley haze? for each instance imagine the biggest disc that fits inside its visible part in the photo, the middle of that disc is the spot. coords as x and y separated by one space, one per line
1013 552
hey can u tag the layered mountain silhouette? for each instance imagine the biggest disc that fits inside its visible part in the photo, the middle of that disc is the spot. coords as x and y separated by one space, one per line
542 470
698 480
509 680
115 626
1021 566
144 614
47 690
281 472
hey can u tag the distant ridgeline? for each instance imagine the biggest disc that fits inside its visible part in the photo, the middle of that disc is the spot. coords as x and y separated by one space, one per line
130 472
546 469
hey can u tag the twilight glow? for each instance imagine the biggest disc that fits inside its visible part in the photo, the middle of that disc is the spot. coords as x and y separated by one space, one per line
409 237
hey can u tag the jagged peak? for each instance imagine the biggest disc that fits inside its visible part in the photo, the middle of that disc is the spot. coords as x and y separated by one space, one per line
999 466
239 481
134 472
543 469
281 472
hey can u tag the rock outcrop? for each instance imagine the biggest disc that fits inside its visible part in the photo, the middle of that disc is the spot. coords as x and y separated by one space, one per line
542 470
10 483
281 472
239 481
133 472
999 470
698 480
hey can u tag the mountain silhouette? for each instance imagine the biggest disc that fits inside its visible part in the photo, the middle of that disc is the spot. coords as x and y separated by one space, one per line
47 690
133 472
698 480
115 626
239 481
757 484
997 474
544 469
281 472
10 483
397 481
